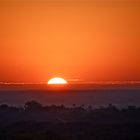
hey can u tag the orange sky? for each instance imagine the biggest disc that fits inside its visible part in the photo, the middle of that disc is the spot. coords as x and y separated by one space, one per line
89 40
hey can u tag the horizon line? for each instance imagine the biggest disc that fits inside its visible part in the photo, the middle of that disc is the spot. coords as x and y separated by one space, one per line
74 82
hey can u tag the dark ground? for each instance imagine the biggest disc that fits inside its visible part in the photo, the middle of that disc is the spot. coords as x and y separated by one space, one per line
37 122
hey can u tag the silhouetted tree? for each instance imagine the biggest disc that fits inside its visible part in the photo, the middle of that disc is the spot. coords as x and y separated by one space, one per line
74 105
89 108
32 106
112 107
132 108
4 106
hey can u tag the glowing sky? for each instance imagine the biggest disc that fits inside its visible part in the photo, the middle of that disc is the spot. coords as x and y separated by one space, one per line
91 40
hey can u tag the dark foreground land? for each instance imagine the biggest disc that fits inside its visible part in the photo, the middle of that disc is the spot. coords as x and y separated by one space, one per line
37 122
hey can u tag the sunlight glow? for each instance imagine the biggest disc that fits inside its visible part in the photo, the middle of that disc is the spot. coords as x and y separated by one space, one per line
57 80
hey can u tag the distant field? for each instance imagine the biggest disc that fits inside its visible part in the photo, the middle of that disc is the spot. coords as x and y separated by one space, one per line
94 97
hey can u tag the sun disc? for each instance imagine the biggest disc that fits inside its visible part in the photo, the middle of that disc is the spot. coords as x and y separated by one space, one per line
57 80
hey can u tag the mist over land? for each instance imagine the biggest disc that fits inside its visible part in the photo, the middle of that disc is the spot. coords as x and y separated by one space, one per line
88 94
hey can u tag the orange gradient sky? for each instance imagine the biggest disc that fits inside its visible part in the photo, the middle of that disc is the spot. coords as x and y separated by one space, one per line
89 40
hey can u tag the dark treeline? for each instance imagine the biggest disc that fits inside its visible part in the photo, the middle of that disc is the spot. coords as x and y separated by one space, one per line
37 122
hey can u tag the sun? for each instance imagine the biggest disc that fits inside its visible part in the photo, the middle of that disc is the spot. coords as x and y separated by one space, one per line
57 80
